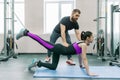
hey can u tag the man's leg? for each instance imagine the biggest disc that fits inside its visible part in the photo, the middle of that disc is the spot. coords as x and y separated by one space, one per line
69 61
54 36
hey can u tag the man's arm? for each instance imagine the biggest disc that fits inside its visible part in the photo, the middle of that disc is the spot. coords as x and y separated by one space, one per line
78 34
63 35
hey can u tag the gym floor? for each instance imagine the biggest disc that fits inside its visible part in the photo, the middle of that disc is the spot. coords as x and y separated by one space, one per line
16 69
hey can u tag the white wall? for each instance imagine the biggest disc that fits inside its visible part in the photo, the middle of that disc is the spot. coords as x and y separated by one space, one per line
34 22
89 13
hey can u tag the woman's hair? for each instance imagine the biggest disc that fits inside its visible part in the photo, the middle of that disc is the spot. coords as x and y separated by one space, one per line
86 34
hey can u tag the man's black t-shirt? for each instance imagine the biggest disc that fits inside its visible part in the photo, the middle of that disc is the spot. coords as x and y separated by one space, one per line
68 24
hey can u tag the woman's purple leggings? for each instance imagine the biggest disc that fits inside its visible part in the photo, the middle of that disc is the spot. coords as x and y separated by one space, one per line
44 43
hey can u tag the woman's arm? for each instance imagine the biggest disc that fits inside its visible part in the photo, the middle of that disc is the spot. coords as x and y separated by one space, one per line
84 59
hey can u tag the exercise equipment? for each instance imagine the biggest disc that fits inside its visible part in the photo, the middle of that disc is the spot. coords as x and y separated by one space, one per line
114 38
8 49
103 51
100 43
115 63
105 44
114 9
116 54
65 71
100 46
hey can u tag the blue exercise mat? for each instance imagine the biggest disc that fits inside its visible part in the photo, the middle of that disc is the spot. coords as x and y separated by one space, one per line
76 72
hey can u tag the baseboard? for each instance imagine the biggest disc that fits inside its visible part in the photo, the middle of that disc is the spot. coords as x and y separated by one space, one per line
30 53
43 53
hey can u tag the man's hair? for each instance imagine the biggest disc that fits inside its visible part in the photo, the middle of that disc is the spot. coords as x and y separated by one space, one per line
76 10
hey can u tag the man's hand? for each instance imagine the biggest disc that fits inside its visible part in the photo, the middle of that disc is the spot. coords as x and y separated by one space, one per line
65 44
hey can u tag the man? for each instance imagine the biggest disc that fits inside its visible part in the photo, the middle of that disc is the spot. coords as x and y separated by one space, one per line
61 30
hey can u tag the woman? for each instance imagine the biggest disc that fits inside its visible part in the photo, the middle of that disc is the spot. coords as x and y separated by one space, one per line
79 48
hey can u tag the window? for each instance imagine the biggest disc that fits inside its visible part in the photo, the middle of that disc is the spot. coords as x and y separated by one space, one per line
54 10
19 15
1 16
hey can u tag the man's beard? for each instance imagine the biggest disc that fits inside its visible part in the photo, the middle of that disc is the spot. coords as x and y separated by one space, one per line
73 19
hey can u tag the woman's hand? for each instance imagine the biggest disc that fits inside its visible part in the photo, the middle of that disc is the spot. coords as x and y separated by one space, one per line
92 74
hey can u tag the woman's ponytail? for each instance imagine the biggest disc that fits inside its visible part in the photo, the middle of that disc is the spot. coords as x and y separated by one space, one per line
86 34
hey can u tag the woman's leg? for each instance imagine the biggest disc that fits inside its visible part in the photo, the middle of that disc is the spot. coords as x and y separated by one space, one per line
44 43
47 45
56 49
25 32
53 65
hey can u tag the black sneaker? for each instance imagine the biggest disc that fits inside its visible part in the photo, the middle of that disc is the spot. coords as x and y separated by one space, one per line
82 67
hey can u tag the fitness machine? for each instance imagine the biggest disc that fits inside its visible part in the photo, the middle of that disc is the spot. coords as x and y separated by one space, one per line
114 8
101 41
116 55
8 49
